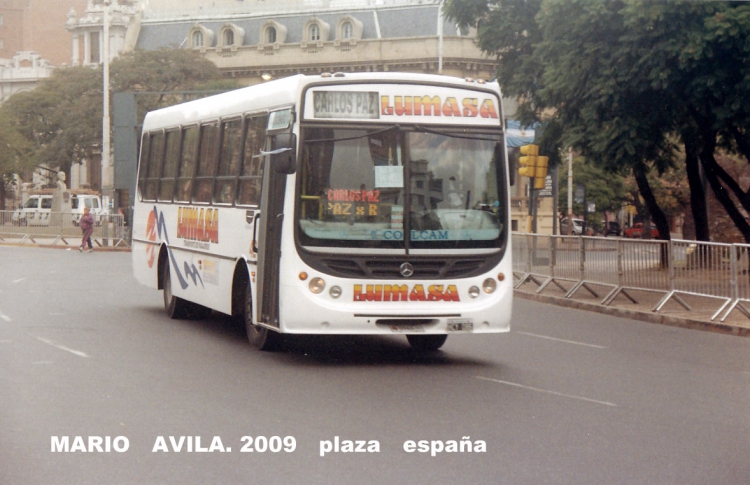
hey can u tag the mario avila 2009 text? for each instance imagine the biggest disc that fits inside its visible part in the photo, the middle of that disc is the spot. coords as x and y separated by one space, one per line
256 444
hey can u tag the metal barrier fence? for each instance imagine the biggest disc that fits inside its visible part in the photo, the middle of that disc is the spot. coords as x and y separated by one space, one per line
60 228
674 268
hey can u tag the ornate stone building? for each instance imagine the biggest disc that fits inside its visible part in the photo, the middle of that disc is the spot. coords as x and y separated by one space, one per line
256 39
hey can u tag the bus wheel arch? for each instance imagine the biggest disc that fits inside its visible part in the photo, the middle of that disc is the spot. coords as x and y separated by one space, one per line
176 307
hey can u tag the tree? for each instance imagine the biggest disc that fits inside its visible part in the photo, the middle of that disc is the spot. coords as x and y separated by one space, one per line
163 71
606 191
61 120
627 79
13 154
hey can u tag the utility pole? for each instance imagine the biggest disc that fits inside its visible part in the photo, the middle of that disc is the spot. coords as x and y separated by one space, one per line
570 191
107 182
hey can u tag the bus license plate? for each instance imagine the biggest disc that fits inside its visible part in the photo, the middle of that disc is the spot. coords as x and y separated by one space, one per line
456 325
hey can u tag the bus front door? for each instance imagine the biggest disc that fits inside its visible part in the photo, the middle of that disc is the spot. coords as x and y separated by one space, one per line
269 241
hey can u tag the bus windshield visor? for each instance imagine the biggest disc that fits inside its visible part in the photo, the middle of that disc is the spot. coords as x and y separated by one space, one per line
392 188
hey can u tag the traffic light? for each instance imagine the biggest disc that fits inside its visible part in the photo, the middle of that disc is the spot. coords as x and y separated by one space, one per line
540 174
528 161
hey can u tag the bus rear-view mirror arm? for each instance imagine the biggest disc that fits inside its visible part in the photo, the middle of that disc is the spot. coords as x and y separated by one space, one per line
284 154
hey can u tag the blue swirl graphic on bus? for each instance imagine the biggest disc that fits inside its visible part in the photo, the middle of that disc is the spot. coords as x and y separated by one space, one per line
190 271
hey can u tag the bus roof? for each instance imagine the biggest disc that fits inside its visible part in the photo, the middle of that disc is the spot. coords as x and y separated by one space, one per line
284 92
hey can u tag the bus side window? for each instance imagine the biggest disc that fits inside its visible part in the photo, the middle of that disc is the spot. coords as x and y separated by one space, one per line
251 175
155 159
144 162
229 161
169 170
208 157
187 164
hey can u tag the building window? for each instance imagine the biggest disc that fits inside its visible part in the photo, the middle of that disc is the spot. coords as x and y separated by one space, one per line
270 35
314 33
347 30
198 39
94 46
228 37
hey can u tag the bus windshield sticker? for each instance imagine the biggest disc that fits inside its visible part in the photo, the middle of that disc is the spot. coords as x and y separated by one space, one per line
279 120
389 177
346 104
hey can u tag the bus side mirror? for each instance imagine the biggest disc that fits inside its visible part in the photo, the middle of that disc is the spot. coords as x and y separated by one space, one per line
284 153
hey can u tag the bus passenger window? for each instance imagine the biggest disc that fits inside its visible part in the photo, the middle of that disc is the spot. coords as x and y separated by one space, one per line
207 160
251 173
169 170
229 161
187 164
156 156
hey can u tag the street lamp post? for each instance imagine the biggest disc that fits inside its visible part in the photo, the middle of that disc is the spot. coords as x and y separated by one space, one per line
107 182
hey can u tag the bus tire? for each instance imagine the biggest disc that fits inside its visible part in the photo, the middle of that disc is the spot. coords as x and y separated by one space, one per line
426 342
259 337
176 307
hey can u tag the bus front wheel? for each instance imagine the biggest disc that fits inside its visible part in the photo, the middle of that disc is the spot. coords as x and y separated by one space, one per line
426 342
259 337
175 306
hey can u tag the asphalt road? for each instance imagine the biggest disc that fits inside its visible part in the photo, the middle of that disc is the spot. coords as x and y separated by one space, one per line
567 397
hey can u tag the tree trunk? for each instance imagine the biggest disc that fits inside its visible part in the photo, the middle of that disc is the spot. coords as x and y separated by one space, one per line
722 194
697 193
654 211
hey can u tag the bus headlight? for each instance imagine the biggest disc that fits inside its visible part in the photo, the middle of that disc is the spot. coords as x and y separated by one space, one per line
474 291
489 285
335 291
317 285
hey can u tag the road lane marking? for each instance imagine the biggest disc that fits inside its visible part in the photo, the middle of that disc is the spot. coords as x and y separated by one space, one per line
561 340
5 317
18 280
605 403
62 347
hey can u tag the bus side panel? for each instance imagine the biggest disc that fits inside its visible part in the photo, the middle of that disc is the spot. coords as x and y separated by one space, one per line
145 259
145 255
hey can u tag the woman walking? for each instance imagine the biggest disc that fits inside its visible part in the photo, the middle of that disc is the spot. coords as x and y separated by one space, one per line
87 227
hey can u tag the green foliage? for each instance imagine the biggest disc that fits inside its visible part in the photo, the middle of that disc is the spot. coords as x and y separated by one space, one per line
606 191
629 80
60 122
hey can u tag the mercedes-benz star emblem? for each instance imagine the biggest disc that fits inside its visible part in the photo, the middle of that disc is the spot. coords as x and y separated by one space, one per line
406 269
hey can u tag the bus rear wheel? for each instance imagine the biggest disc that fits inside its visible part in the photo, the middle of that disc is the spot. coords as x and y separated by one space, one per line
175 306
259 337
426 342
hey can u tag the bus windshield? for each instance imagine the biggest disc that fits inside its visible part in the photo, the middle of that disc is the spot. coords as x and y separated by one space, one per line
399 188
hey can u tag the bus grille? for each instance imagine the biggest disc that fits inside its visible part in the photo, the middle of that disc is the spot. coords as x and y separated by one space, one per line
391 268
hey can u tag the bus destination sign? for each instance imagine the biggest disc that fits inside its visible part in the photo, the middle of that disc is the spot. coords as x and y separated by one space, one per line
346 104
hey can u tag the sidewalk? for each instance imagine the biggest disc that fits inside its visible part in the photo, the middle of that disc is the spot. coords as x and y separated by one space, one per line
63 243
673 314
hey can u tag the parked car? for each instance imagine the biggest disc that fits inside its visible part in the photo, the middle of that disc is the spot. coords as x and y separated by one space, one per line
612 228
577 227
637 231
34 212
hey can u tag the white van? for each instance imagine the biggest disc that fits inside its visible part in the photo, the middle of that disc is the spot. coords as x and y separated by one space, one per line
91 201
34 212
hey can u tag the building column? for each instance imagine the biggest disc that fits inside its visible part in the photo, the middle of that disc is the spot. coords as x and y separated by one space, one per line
86 48
76 61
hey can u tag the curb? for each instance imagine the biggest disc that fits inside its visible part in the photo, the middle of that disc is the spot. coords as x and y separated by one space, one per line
643 316
56 246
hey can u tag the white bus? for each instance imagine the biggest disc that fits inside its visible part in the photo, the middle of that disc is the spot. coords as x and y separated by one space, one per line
372 203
